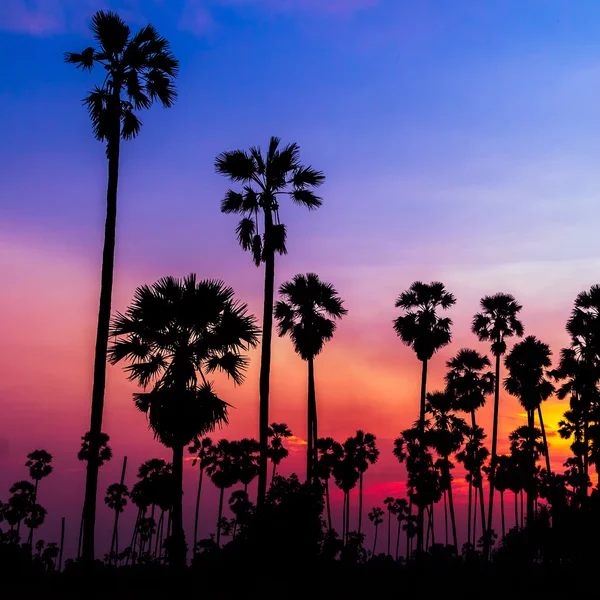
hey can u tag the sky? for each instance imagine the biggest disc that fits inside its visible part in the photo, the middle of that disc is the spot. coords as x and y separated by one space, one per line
460 141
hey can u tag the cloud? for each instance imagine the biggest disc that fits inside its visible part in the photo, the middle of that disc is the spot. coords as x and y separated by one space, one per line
37 17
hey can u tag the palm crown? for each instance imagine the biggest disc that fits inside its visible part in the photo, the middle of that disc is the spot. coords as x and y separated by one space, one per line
39 463
265 179
174 333
307 312
420 327
139 68
497 321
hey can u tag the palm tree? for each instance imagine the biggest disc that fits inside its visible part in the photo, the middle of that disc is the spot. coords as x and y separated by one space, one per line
277 451
330 453
502 479
224 472
391 506
265 179
366 454
307 313
202 449
401 512
173 335
116 499
528 364
469 384
421 328
446 434
138 69
497 321
39 464
19 503
248 461
35 516
376 517
346 476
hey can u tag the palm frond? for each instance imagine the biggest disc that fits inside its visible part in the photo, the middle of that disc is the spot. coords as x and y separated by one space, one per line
237 165
159 86
130 124
245 232
307 177
83 60
306 198
232 364
111 32
232 203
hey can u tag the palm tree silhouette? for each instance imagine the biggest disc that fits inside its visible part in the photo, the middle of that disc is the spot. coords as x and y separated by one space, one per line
307 313
39 464
202 449
224 472
376 517
528 364
391 506
401 512
346 476
446 433
330 453
138 69
502 477
421 328
265 179
469 384
19 503
34 517
277 451
497 321
248 461
173 334
366 453
116 499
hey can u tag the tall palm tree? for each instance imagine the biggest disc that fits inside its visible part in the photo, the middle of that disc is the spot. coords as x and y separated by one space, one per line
469 384
421 328
137 70
346 476
366 453
224 472
528 364
265 178
307 313
376 517
173 335
401 512
496 321
116 500
202 449
277 451
330 454
446 433
39 463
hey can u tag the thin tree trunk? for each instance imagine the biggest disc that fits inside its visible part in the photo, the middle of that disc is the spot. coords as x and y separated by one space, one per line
360 502
422 450
99 381
516 509
432 517
219 517
428 529
197 507
408 537
452 516
35 491
530 475
348 516
274 470
475 490
150 536
375 540
482 510
265 358
177 557
548 468
134 537
494 457
522 509
115 535
389 546
502 513
344 518
310 430
398 540
445 518
159 533
62 543
113 538
470 510
328 502
312 397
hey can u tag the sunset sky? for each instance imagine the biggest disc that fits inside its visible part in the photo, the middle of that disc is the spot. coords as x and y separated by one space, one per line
461 143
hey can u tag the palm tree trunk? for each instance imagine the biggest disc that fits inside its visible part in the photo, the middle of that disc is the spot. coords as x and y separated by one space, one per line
310 429
219 517
408 538
398 540
197 508
548 469
274 471
265 359
502 513
428 529
422 450
134 537
80 541
389 533
360 502
344 519
159 532
313 401
328 502
521 508
347 516
375 539
517 510
531 474
177 556
432 517
445 519
494 457
475 490
62 543
452 516
470 510
482 510
99 381
114 537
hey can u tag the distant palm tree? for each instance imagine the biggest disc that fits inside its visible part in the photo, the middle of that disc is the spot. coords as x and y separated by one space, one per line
35 516
248 461
39 463
366 453
224 472
20 503
390 505
446 435
421 328
307 313
173 335
497 321
376 517
277 451
265 179
401 512
138 69
330 454
528 367
502 479
116 500
202 449
346 476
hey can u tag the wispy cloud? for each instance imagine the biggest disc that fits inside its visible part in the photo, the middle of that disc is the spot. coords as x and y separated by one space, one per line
37 17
